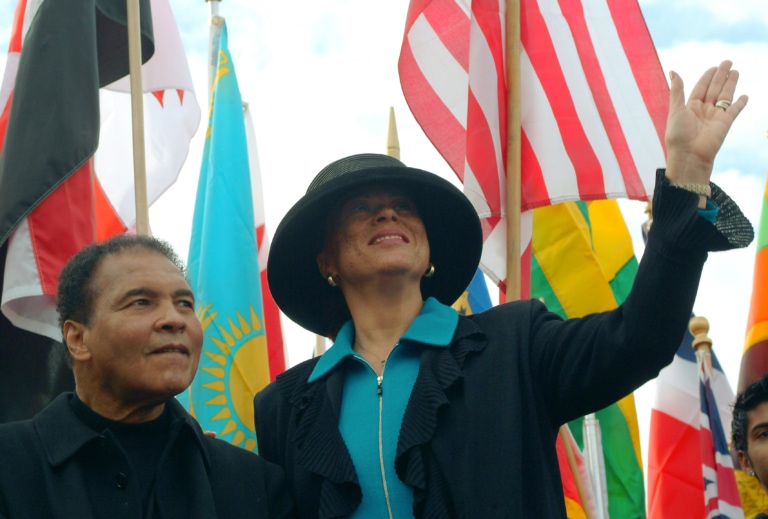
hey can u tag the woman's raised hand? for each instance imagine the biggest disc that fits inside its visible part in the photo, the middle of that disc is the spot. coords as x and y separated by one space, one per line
697 129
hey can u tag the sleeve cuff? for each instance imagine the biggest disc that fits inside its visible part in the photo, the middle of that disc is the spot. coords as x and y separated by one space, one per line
675 214
709 213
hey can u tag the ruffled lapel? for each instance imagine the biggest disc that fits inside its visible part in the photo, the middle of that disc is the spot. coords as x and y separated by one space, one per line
320 448
441 368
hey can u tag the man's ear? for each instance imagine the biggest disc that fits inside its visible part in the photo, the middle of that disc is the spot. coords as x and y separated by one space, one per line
74 338
745 462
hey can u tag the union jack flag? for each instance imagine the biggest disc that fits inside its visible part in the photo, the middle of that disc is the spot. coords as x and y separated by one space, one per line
721 494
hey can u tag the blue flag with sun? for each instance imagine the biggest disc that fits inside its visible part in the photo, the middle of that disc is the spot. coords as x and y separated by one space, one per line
224 272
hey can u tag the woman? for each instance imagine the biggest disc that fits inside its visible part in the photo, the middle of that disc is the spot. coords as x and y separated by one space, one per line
417 411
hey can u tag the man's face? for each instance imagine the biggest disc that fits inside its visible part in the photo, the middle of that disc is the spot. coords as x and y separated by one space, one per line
756 459
144 340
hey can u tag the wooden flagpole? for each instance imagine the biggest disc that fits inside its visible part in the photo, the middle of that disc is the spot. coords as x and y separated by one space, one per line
513 150
565 436
513 167
213 44
137 118
214 7
319 346
702 344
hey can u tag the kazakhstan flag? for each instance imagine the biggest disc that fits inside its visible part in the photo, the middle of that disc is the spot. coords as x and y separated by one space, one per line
224 271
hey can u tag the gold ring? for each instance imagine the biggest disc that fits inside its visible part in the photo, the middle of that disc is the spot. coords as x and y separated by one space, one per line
723 103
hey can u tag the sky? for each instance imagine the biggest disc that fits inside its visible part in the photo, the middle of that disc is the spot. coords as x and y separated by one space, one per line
320 78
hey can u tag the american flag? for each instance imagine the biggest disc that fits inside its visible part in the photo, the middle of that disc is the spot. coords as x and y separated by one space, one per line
721 494
593 103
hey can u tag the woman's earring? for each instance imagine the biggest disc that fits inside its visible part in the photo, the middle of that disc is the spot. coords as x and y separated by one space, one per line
331 281
751 473
430 271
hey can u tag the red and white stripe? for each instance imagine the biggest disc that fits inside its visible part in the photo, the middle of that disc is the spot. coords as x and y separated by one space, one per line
593 102
91 206
272 319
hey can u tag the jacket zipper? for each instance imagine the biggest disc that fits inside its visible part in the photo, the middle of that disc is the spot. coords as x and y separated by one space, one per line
380 393
379 390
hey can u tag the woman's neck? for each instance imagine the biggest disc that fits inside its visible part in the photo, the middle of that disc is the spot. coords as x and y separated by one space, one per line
381 319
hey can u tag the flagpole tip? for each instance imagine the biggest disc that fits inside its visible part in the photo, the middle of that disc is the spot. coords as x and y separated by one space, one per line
699 327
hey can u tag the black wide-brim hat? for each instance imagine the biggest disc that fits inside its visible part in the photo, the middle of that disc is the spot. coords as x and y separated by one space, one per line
453 230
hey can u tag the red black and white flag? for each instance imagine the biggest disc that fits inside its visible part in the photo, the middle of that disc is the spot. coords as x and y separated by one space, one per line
50 130
63 103
88 199
46 175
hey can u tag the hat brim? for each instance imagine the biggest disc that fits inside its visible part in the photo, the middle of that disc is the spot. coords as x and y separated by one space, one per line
452 226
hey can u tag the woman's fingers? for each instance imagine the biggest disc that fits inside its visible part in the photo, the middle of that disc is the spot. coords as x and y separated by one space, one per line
728 89
738 105
676 93
720 87
701 88
715 85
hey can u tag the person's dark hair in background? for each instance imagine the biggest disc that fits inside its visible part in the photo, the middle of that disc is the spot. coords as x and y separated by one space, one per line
749 431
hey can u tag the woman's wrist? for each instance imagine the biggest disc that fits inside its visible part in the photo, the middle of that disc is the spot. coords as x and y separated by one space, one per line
683 168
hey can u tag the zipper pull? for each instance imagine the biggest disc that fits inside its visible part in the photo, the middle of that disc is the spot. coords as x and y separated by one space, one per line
380 378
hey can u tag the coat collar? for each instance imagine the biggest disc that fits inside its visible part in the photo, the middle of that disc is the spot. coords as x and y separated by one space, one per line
63 434
435 325
320 448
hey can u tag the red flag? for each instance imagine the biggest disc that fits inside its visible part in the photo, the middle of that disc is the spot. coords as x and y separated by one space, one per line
593 102
272 325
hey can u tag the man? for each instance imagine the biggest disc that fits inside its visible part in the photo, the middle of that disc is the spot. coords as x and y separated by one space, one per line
749 431
121 445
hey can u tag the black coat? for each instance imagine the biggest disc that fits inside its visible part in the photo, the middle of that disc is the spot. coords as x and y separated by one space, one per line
478 435
54 466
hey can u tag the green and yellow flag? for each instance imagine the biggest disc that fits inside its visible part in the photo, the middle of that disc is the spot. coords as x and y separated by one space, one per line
583 262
